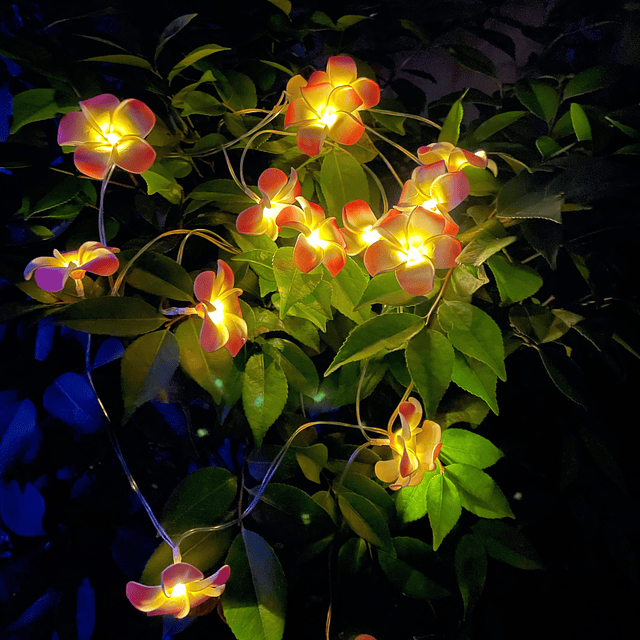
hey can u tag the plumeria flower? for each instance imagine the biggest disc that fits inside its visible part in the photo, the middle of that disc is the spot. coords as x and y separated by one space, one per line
329 104
455 157
413 246
359 230
219 308
432 187
108 132
415 448
52 273
277 192
182 587
320 240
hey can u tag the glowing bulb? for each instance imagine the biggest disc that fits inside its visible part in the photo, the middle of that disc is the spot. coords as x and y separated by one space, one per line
328 117
270 213
370 235
429 204
316 241
217 315
112 138
178 591
414 255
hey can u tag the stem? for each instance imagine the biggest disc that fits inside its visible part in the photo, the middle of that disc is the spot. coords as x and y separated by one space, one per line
394 144
241 183
404 115
103 239
353 456
439 296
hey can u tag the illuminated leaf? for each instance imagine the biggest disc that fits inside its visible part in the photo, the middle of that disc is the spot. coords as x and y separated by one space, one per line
515 281
450 131
293 285
478 492
366 520
460 445
476 378
122 58
443 506
194 56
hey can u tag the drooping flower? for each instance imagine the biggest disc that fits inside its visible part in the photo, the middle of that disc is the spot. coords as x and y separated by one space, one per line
329 104
277 192
413 246
219 307
359 230
415 448
320 240
455 157
108 132
182 587
52 273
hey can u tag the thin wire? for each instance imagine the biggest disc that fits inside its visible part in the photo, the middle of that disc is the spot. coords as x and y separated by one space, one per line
103 189
394 144
405 115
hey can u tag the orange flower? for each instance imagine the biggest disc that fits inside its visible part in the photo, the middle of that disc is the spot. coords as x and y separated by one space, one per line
182 587
415 448
219 308
320 240
454 157
413 246
108 132
277 193
52 273
359 229
328 105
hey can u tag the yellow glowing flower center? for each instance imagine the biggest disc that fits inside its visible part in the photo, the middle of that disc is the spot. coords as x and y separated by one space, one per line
328 117
429 204
316 241
270 213
112 138
370 235
217 315
414 255
178 591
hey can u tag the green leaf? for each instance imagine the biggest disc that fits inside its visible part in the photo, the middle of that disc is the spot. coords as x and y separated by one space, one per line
411 502
173 28
283 5
215 372
255 599
539 97
482 247
587 81
312 460
387 332
443 507
369 489
260 260
478 492
476 378
202 499
565 374
300 371
580 122
293 285
630 131
471 570
385 289
460 445
366 520
473 332
320 17
563 127
236 90
481 181
547 146
504 542
519 199
409 580
346 290
496 123
473 59
121 58
147 366
201 103
264 394
450 131
315 307
168 188
342 180
160 275
430 361
111 316
392 123
542 324
515 281
194 56
32 106
463 408
63 191
348 21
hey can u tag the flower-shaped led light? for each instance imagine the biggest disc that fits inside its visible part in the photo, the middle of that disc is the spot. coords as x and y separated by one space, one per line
455 157
413 246
432 187
415 448
328 105
182 587
108 132
359 230
219 308
320 240
52 273
277 192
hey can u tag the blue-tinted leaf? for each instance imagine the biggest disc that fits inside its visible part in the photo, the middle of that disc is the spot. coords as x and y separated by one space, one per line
71 399
22 510
44 340
86 611
111 349
22 437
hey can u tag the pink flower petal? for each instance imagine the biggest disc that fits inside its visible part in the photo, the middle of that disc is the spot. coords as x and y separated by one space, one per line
386 470
329 232
133 117
180 573
203 285
317 96
341 70
450 189
381 256
311 138
411 411
44 261
445 251
94 161
425 223
305 256
426 173
213 336
294 85
345 98
144 598
319 77
98 110
72 129
237 329
334 258
416 280
292 217
52 278
252 222
368 90
435 152
299 112
346 129
103 265
271 181
357 215
133 154
354 244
